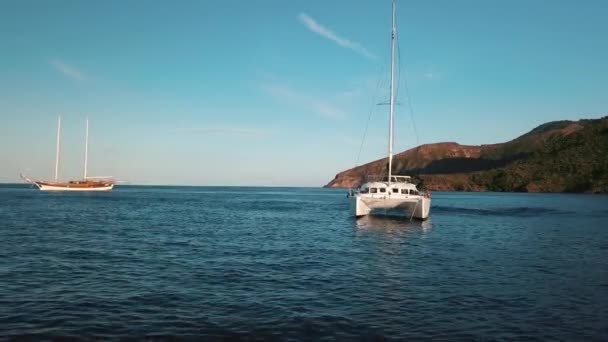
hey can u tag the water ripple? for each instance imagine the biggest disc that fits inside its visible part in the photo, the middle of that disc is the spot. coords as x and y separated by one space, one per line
280 264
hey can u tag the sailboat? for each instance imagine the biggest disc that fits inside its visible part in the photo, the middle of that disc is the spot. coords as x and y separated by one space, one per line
85 184
390 192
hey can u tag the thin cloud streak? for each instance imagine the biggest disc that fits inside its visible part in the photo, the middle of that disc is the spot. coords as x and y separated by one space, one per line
319 106
432 76
221 130
68 70
327 33
373 142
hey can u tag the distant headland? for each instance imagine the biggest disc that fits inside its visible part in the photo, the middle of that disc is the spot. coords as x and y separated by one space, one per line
559 156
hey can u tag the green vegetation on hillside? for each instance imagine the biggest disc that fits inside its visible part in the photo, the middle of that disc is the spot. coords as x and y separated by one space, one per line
573 162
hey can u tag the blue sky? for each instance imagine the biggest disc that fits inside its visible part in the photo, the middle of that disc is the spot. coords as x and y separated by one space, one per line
278 92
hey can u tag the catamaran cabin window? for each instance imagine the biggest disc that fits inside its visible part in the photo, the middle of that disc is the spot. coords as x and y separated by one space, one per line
364 190
404 191
382 189
373 190
395 190
413 192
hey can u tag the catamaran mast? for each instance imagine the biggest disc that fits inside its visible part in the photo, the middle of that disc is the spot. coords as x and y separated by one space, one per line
86 150
392 99
57 153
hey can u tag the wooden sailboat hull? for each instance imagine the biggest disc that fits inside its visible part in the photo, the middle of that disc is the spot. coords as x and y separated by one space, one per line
88 186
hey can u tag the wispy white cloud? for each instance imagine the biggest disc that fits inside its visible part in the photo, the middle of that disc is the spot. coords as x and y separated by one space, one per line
222 130
370 141
325 32
328 110
319 106
68 70
432 75
281 92
351 141
349 95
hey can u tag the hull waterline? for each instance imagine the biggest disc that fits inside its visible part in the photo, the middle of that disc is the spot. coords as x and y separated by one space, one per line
47 187
418 208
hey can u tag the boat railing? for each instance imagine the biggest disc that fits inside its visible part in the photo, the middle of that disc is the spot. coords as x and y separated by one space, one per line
100 179
384 178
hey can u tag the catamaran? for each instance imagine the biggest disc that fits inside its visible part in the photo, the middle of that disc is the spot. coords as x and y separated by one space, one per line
87 183
394 192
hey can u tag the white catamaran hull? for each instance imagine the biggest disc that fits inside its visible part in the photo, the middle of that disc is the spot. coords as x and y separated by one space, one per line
43 187
418 207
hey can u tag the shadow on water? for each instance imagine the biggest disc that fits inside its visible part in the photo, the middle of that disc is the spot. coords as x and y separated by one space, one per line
510 211
391 223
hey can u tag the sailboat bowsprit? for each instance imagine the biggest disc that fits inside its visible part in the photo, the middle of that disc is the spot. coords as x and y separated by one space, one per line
390 191
85 184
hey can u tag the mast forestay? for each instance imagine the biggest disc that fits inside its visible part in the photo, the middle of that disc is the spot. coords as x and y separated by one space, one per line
392 98
57 152
86 150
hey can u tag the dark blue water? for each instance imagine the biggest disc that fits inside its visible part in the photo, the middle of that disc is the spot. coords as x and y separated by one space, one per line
286 263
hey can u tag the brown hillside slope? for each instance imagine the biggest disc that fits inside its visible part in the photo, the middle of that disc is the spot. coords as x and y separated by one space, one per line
543 159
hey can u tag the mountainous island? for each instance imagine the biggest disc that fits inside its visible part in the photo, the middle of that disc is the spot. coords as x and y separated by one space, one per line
560 156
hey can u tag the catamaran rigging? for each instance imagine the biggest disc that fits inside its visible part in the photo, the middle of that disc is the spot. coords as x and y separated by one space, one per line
393 191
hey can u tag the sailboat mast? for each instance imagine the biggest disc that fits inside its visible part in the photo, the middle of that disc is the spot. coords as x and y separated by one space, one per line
392 98
57 152
86 150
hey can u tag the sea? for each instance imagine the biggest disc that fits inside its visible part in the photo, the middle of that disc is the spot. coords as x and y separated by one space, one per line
263 263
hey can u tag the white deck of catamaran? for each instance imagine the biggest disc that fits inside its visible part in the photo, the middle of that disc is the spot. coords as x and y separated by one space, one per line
398 194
